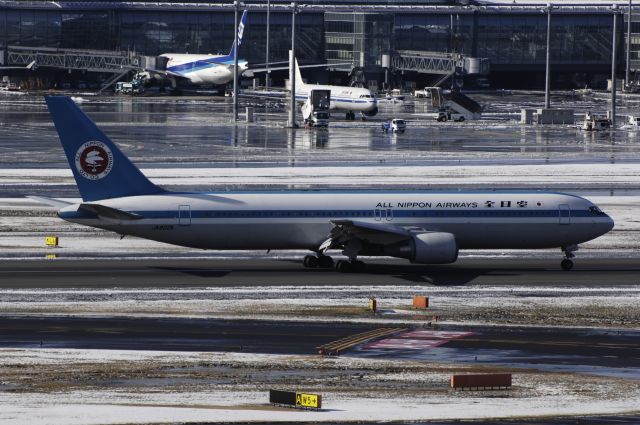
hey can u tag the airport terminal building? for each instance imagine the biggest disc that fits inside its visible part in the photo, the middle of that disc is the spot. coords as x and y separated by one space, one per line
348 34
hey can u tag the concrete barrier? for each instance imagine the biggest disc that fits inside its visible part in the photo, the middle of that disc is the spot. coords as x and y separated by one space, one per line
554 116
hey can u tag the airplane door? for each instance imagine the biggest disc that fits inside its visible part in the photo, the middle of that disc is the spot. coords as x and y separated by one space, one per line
184 215
383 214
564 214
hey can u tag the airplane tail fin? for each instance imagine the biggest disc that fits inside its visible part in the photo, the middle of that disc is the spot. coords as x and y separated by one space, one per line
299 82
241 25
101 170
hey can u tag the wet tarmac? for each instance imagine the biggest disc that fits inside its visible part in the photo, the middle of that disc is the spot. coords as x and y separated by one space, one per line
597 352
605 353
160 272
196 131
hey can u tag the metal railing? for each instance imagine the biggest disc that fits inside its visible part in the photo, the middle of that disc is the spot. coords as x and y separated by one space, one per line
427 62
88 60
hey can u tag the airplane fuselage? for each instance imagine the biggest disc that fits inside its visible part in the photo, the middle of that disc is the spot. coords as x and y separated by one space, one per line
302 220
203 69
343 98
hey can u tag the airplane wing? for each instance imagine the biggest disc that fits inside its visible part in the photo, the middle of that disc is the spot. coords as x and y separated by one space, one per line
165 73
249 72
52 202
108 212
374 233
379 233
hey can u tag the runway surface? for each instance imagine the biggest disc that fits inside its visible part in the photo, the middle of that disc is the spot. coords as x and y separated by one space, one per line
610 353
159 272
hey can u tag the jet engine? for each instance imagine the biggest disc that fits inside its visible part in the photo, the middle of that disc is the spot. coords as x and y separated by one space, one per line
371 113
423 248
434 248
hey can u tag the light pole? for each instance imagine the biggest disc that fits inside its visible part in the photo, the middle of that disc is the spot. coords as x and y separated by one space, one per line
627 71
266 82
235 62
613 64
547 82
292 71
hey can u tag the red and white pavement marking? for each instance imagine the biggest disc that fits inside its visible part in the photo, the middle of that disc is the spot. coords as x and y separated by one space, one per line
415 340
426 334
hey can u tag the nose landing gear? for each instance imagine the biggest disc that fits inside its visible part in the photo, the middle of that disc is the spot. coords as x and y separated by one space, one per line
567 263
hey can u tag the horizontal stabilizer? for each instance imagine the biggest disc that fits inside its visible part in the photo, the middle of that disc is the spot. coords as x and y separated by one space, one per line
108 212
52 202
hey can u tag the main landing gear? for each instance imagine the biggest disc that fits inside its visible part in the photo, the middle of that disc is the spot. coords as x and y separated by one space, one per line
567 262
326 262
320 261
350 266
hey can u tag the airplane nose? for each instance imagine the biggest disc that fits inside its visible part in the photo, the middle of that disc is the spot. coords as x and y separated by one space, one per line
604 225
609 224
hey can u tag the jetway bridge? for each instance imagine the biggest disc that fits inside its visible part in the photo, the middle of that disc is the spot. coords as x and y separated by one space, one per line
439 63
118 63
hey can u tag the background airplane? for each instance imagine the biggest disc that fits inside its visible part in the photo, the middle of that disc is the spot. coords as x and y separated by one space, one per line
350 100
423 227
343 98
202 69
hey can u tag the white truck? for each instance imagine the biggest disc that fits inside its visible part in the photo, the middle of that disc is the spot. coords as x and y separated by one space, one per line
395 125
423 93
445 115
315 118
454 106
315 109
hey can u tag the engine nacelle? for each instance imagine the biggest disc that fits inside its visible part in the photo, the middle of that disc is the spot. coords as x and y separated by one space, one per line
371 113
424 248
434 248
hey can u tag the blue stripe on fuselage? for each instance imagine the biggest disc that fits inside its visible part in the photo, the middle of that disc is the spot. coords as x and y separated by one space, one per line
460 213
198 65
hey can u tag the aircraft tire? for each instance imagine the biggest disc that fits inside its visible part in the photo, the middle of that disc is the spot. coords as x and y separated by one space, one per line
566 264
310 261
358 266
344 266
326 262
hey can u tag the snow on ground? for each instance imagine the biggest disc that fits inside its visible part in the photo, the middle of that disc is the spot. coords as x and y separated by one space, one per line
613 306
360 389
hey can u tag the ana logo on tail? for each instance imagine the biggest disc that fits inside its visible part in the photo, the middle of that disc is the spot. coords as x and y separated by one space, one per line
240 32
94 160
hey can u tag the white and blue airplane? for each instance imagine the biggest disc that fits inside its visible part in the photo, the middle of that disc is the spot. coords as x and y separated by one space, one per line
204 69
422 226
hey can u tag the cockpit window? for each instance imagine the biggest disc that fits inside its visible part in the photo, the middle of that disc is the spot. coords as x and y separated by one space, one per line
596 211
365 96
